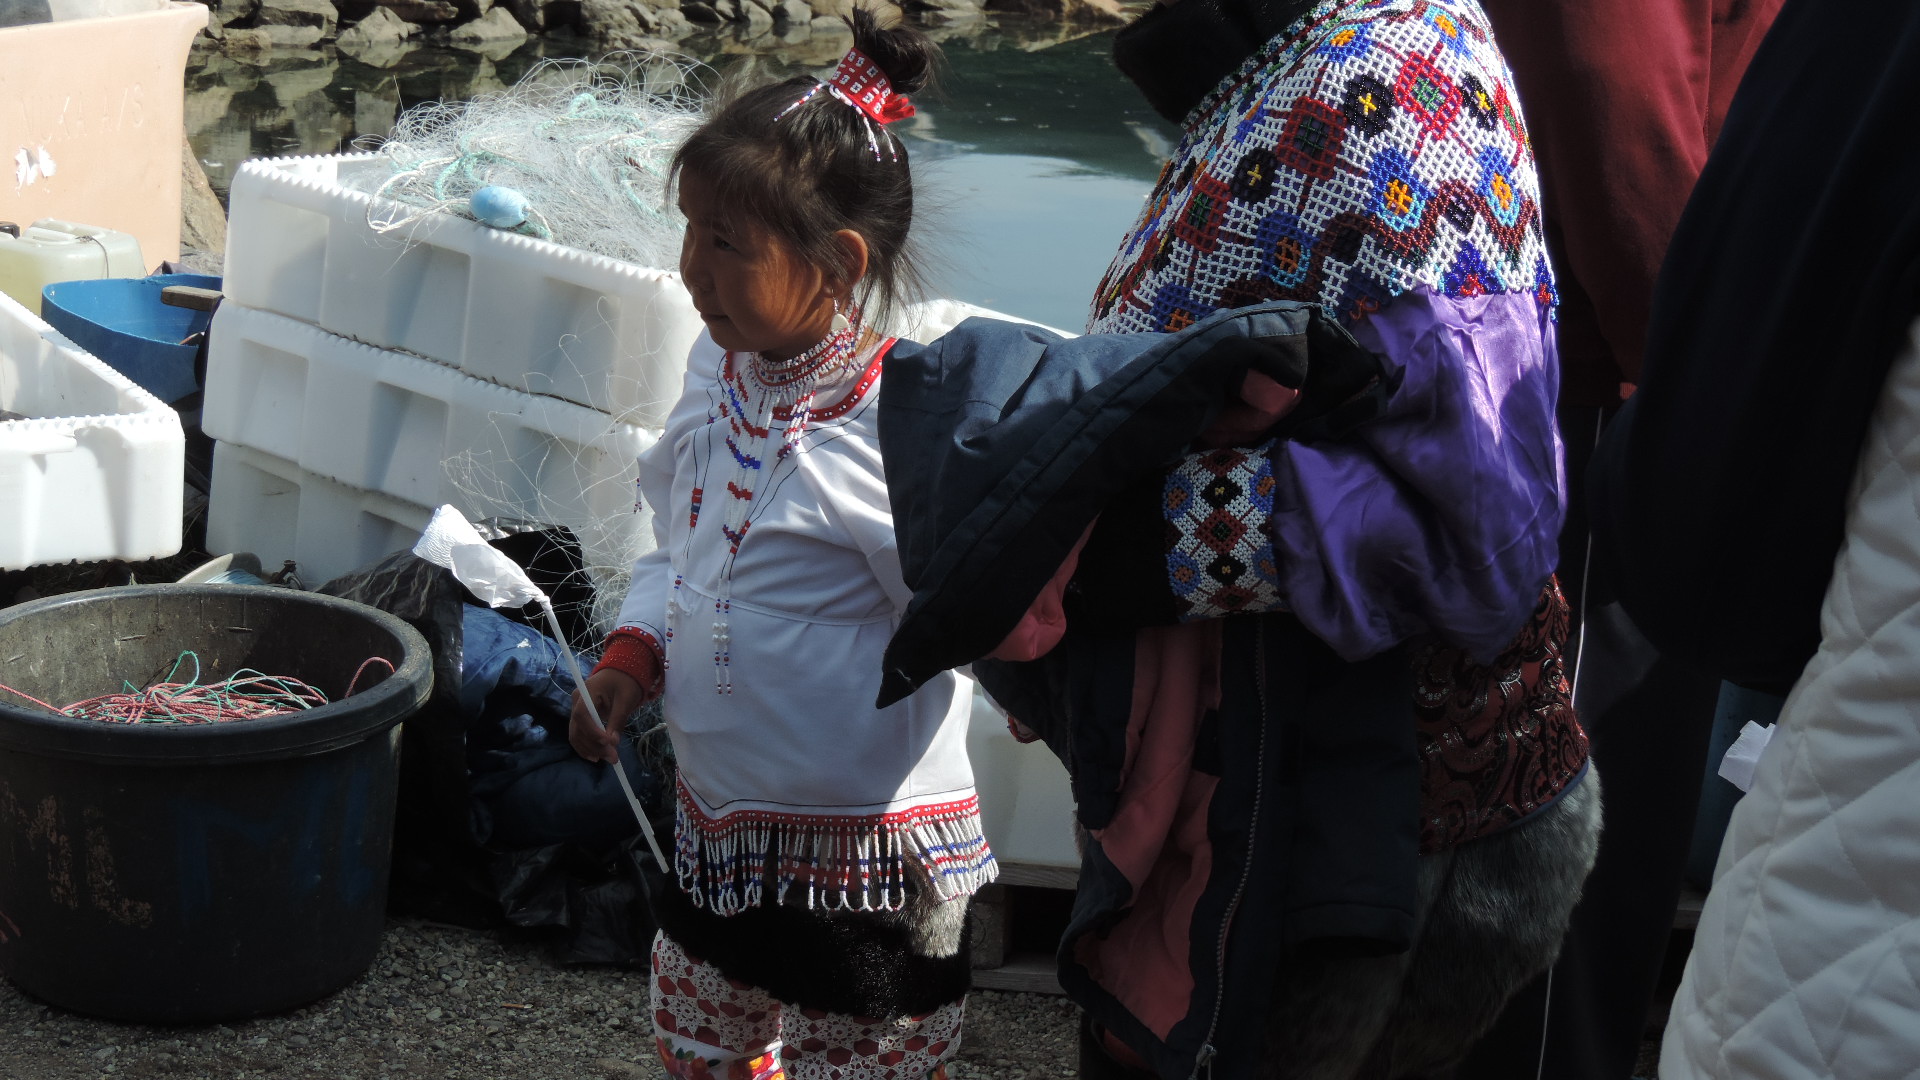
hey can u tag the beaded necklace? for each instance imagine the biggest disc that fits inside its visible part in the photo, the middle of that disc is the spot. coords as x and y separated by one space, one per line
755 397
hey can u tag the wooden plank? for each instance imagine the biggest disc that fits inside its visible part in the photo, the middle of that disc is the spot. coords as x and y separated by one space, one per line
1039 876
1028 973
987 927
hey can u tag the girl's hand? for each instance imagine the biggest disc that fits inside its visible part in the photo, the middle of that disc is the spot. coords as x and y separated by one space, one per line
616 695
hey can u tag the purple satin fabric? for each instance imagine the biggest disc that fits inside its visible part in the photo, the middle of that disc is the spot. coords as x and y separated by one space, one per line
1444 514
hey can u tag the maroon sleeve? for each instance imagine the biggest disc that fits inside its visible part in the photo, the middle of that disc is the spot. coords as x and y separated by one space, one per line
1623 98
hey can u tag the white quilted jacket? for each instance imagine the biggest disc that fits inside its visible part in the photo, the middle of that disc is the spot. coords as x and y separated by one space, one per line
1807 959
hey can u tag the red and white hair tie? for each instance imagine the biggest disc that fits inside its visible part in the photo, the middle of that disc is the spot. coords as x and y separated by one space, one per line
859 82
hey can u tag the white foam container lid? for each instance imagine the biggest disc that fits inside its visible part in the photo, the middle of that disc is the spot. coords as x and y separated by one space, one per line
507 308
96 471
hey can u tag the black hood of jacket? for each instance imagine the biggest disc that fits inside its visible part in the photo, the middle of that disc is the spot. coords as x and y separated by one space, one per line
1176 54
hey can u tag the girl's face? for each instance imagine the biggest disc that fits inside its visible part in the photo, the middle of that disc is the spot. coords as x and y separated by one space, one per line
752 290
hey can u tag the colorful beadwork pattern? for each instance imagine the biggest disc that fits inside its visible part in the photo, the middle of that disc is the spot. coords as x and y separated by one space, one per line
707 1026
1219 557
1373 149
842 861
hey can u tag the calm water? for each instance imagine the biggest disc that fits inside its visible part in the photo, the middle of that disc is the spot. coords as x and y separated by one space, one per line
1034 156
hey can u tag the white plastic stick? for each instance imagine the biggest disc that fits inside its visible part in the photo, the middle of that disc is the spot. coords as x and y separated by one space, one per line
619 770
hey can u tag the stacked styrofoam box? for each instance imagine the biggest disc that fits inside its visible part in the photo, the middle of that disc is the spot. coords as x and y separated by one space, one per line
499 306
413 431
357 378
95 472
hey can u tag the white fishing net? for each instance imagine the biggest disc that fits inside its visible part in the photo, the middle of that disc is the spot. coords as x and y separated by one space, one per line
584 145
586 493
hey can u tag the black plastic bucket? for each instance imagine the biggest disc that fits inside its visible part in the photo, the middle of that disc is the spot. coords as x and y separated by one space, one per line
170 873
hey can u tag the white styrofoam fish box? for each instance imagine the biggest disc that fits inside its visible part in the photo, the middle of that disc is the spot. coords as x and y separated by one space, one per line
279 511
96 470
503 307
423 433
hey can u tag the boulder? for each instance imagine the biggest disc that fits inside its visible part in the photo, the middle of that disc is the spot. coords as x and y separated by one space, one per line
207 107
644 43
637 25
836 8
562 15
291 37
378 32
301 83
203 223
701 14
787 36
297 23
757 18
423 12
531 14
496 27
385 56
245 42
792 12
234 11
944 11
1067 10
668 23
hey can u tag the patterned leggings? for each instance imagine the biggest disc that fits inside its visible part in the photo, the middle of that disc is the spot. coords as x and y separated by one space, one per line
706 1025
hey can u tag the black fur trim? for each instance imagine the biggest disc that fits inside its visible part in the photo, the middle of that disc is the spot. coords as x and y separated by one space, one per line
847 962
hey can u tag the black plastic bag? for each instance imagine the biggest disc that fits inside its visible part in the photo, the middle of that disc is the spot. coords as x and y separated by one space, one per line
584 894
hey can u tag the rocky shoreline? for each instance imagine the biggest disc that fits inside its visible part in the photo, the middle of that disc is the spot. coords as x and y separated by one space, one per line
369 29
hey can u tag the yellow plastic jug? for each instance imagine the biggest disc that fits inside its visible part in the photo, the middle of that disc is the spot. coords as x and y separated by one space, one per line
49 251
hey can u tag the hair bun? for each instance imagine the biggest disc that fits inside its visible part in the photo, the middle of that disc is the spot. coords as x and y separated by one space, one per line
904 53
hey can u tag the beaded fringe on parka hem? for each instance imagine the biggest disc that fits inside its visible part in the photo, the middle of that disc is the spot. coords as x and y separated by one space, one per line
848 862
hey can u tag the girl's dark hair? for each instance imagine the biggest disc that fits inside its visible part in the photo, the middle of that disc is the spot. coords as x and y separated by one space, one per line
811 172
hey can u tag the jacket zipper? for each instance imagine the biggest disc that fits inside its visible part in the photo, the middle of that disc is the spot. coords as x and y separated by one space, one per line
1205 1059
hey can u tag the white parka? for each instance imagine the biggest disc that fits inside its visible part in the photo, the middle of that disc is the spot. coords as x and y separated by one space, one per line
1806 963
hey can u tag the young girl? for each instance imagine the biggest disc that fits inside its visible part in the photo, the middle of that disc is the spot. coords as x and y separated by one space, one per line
824 848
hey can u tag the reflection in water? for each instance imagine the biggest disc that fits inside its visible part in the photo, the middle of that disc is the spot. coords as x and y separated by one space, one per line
1034 155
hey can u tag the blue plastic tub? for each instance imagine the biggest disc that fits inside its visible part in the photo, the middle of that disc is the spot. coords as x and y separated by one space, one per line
123 322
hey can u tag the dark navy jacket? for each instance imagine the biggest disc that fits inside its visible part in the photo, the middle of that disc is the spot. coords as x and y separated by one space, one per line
1002 444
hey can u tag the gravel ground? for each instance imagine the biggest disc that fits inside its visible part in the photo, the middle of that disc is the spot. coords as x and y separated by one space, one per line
443 1003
